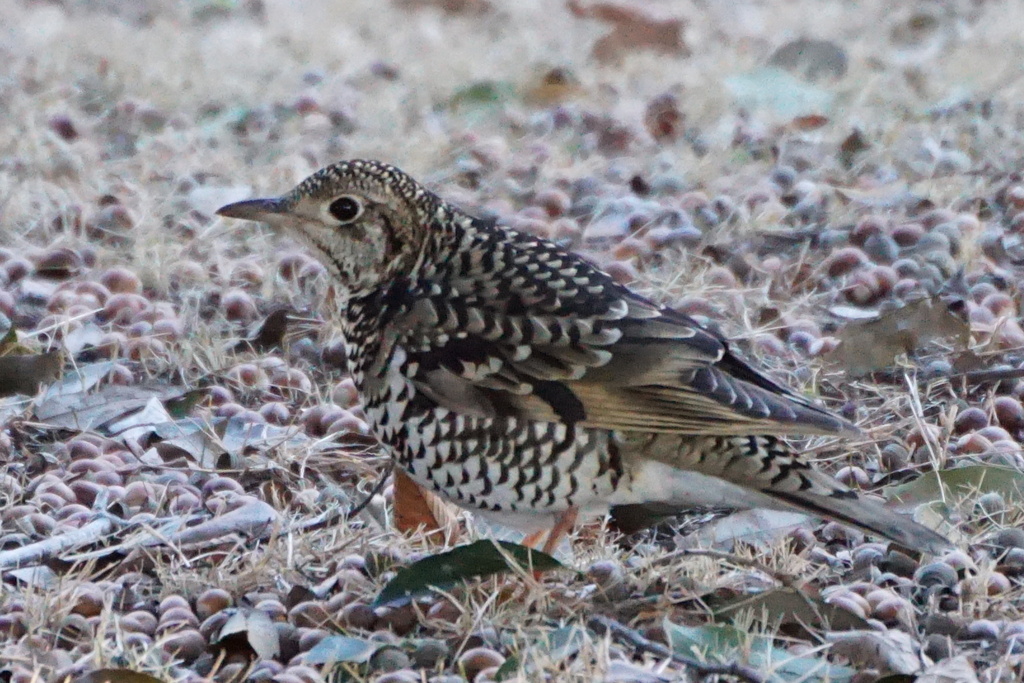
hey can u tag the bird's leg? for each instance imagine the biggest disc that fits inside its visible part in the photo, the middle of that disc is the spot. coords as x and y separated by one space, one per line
533 540
563 525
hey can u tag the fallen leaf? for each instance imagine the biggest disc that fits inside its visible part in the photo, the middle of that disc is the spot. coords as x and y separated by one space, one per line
268 335
198 446
39 576
508 670
476 560
811 59
80 379
334 649
82 411
141 423
780 93
874 345
482 94
252 630
892 652
958 482
117 676
809 122
24 374
419 509
786 607
728 643
239 436
634 27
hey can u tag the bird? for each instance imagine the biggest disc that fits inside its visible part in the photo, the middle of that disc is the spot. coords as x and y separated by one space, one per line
517 379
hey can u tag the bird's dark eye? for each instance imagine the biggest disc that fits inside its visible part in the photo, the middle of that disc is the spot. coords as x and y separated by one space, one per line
346 209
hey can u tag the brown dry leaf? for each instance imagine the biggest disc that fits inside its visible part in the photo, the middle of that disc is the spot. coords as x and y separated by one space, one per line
866 347
268 335
250 631
634 27
198 448
23 374
417 508
892 652
809 122
117 676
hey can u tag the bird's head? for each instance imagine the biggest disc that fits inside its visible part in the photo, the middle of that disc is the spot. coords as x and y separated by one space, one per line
364 220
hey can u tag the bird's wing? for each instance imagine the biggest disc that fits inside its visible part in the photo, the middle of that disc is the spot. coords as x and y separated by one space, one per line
577 347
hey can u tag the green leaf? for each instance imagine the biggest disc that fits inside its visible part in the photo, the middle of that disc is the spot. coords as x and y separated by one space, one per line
565 642
727 643
508 670
479 559
334 649
482 93
960 482
180 407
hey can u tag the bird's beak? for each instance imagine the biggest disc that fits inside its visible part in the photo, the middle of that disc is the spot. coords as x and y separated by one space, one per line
265 210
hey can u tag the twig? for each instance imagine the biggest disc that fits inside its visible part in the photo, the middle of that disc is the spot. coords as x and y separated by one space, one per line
981 376
601 624
54 546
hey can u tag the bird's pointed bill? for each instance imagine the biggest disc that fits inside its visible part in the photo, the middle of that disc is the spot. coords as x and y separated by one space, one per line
254 209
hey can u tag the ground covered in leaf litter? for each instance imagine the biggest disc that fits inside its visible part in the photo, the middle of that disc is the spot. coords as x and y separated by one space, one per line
187 488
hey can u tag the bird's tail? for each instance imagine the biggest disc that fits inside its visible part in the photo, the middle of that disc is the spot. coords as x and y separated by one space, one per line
768 466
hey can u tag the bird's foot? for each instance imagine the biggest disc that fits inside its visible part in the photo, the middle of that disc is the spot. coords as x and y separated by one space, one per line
563 525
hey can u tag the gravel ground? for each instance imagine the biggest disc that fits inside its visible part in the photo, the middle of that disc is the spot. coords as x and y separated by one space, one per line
835 185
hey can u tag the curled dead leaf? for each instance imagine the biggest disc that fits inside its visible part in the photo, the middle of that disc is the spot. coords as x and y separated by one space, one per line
634 27
419 509
874 345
